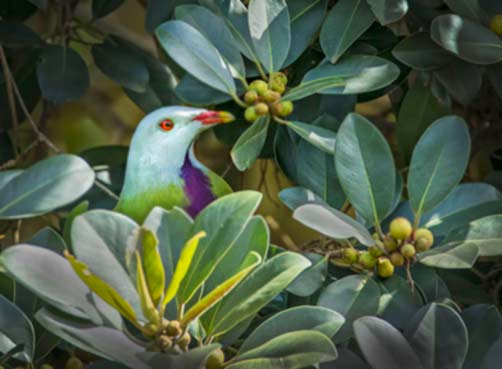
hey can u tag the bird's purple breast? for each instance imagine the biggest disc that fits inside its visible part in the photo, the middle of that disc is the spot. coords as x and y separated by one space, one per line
197 188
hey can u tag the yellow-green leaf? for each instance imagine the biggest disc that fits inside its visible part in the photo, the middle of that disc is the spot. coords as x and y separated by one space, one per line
147 305
152 264
221 291
102 289
182 266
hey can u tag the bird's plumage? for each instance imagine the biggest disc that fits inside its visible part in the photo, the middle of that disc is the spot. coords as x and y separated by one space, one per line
162 169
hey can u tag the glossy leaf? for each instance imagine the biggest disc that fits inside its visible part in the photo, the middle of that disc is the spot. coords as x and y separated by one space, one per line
17 328
261 286
182 267
438 163
383 346
418 111
306 18
193 52
463 90
294 350
365 168
294 197
122 66
216 31
484 233
250 143
295 319
320 137
223 221
353 296
420 52
388 11
468 40
439 337
75 212
332 223
344 24
193 91
270 32
62 74
152 264
466 8
45 186
450 256
49 239
353 74
220 291
312 278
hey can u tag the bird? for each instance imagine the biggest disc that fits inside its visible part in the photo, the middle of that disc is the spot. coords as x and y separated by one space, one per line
162 169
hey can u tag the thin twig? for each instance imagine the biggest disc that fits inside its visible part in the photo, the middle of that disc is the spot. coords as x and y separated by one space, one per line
12 101
13 162
41 136
409 277
105 189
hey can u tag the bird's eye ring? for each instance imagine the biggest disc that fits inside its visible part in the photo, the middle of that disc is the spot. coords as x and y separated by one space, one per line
166 124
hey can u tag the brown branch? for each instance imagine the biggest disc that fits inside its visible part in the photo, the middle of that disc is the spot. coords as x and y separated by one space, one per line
40 135
13 162
12 101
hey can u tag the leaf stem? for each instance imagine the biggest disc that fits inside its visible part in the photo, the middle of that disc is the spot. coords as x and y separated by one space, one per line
239 101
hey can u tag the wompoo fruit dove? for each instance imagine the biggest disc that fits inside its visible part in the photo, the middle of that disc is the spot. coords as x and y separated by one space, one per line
408 251
367 260
259 86
350 255
424 239
215 360
396 258
496 24
400 228
250 114
385 268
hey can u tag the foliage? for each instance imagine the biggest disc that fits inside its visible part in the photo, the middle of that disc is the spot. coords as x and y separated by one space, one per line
405 266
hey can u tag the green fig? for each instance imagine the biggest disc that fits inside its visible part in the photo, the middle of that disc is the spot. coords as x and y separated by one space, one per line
250 114
400 228
367 260
408 251
385 268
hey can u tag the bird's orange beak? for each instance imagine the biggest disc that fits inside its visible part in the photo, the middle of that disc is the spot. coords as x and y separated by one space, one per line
215 117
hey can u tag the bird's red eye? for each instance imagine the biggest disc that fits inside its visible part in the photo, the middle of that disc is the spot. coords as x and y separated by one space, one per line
166 124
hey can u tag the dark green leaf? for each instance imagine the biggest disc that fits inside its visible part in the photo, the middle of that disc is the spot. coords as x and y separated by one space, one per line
439 337
62 74
193 91
270 32
418 111
18 330
193 52
468 40
463 89
321 138
118 63
311 279
345 23
383 346
450 256
15 34
438 163
353 297
466 8
250 143
365 168
47 185
353 74
389 11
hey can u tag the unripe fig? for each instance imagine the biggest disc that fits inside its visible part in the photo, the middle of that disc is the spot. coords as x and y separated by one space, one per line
74 363
271 96
150 330
279 76
385 268
390 244
215 360
408 251
376 236
277 86
173 328
400 228
376 251
287 108
367 260
164 342
397 259
250 114
496 24
250 97
424 239
184 341
261 108
350 255
259 86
